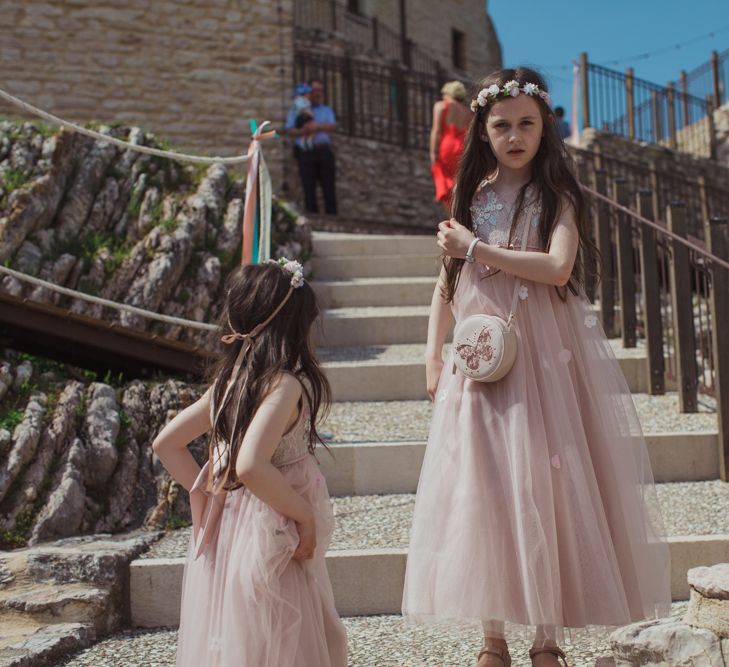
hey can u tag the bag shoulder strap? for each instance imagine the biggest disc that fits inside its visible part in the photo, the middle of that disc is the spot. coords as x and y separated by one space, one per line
517 285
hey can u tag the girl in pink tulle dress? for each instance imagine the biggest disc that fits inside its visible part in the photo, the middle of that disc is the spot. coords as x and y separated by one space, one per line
255 590
536 510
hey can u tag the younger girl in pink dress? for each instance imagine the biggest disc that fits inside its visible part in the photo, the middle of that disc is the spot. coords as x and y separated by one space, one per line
536 509
255 591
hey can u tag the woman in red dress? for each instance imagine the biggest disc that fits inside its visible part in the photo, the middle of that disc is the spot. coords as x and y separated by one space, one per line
451 117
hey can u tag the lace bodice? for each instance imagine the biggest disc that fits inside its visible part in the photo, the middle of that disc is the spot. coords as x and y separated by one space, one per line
492 219
294 444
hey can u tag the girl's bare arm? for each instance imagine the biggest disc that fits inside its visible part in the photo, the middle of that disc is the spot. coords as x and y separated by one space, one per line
171 443
439 321
253 465
553 267
435 131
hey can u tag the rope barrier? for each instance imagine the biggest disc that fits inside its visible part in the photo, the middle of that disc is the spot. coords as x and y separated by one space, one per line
168 319
659 228
148 150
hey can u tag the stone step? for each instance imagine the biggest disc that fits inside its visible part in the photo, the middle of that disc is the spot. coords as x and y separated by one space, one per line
358 292
397 372
328 244
375 266
367 557
385 325
394 467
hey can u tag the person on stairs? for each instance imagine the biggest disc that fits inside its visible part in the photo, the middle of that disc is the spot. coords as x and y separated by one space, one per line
256 592
536 513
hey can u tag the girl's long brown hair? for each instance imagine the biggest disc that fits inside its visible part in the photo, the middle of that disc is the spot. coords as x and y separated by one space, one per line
551 178
253 292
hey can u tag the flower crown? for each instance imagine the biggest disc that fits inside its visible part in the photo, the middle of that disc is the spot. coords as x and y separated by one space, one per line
293 267
510 89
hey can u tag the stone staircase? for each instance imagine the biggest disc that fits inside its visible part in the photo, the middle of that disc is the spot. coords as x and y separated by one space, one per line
375 292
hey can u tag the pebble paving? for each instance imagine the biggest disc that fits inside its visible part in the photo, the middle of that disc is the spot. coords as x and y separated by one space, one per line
383 522
374 641
387 421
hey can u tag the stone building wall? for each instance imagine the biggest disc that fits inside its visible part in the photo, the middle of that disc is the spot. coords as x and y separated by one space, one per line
191 72
429 22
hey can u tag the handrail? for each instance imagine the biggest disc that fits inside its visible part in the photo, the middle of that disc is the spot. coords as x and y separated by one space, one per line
660 227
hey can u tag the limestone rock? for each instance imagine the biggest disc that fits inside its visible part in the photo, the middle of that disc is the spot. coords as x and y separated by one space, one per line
52 642
56 272
104 206
229 236
62 514
709 601
101 429
711 582
50 445
665 643
23 373
28 258
25 441
80 197
6 378
36 206
11 285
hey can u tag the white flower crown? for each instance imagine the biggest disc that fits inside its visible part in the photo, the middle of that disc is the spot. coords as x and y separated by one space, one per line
510 89
293 267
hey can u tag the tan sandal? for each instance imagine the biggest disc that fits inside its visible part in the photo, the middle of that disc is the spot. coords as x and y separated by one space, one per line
554 650
502 653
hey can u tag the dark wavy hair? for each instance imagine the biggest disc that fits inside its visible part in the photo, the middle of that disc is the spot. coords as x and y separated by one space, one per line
551 177
253 292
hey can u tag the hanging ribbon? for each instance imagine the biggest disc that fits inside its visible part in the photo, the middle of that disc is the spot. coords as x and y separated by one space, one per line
256 245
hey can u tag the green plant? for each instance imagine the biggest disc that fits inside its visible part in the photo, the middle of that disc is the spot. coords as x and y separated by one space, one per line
175 522
10 419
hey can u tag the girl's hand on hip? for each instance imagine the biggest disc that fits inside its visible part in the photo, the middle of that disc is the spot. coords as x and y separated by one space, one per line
433 369
307 540
454 238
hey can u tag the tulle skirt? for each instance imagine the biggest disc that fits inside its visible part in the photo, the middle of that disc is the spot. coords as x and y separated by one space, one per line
245 601
536 508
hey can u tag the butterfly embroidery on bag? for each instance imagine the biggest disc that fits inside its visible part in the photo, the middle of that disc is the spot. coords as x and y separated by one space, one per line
472 354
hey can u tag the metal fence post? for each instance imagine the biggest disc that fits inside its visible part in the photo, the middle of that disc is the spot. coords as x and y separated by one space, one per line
585 91
716 237
716 79
684 339
651 297
684 97
670 94
606 288
626 268
630 102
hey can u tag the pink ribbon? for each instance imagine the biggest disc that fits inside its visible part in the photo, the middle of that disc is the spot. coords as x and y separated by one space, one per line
206 509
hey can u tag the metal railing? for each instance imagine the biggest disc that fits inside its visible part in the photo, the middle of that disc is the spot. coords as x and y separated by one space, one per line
663 285
710 79
371 101
622 104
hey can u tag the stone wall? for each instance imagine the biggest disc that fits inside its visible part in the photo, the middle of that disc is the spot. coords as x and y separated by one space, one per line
380 188
721 129
429 24
192 72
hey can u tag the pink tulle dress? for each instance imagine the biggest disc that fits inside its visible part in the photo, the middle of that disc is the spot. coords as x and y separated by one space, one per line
245 601
536 504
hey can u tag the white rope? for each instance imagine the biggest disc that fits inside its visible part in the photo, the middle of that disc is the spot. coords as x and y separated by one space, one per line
183 157
191 324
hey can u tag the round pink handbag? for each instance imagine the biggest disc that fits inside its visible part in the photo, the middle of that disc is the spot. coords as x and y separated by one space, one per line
484 346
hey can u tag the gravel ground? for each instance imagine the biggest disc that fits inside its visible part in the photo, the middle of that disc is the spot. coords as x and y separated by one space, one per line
376 311
374 641
383 522
387 421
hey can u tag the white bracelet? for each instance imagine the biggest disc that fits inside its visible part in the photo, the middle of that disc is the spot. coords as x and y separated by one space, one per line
469 253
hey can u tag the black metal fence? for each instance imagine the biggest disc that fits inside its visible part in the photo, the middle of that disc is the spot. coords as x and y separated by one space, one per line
623 104
710 79
389 104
